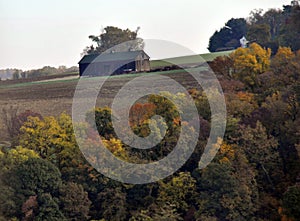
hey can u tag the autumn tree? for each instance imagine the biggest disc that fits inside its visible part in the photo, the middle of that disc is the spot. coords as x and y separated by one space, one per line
165 108
241 104
227 188
276 109
74 201
53 139
202 104
29 208
222 65
13 157
116 147
248 63
179 191
140 112
262 151
283 57
285 66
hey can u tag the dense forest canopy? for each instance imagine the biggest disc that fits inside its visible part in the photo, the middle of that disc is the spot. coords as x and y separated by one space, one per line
255 175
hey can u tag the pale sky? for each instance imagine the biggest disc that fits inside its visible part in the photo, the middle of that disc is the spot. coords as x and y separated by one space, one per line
36 33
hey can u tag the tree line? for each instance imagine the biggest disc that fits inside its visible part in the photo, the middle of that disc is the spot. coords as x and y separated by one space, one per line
16 74
270 29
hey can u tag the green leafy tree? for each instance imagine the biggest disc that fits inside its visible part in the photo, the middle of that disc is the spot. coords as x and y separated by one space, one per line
228 37
290 32
227 187
266 28
113 36
48 209
36 176
101 118
111 204
275 19
32 177
8 204
10 160
260 33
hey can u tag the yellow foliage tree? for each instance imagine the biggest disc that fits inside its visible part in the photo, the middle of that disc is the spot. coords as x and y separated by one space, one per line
285 65
283 56
227 153
20 154
249 62
51 138
116 147
178 190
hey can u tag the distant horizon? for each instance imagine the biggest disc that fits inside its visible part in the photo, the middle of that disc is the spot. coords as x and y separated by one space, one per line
54 33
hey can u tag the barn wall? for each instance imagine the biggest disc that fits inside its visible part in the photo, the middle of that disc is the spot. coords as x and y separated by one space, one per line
146 65
140 64
105 68
82 68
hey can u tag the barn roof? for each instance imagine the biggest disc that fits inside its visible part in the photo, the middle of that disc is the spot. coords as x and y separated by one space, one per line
115 56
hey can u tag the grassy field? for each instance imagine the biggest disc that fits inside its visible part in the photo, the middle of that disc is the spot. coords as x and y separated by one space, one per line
186 60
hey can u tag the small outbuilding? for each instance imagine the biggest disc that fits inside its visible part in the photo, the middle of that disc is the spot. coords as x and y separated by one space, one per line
114 63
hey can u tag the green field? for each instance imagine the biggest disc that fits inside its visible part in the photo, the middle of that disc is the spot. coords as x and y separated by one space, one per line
185 60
